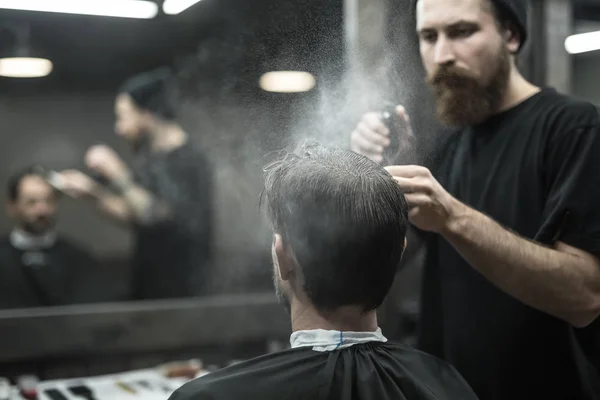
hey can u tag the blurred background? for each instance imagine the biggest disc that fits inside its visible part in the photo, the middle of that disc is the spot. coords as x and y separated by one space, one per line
354 55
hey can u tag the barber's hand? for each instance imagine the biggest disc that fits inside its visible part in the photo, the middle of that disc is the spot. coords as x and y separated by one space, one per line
371 136
431 206
105 161
76 184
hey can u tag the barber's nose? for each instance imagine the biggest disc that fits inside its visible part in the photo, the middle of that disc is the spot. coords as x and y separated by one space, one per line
444 52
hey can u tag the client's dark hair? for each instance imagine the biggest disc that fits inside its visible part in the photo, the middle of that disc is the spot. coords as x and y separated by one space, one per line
151 92
14 181
344 218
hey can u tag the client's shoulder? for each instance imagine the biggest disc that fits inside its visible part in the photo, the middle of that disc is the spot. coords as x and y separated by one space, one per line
439 376
258 377
4 242
409 355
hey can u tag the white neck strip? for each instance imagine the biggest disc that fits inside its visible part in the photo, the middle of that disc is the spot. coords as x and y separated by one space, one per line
323 340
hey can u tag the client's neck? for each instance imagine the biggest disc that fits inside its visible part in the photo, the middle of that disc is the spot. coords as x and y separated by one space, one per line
346 319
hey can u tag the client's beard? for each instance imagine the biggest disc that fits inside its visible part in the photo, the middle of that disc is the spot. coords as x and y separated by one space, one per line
280 296
462 100
39 226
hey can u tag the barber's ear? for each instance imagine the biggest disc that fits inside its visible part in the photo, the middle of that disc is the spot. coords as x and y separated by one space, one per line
512 38
284 258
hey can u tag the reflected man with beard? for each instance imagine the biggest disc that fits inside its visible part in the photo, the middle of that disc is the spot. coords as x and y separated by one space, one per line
38 267
339 223
511 284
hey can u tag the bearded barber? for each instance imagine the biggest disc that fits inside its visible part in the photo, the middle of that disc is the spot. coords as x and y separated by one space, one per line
511 286
166 198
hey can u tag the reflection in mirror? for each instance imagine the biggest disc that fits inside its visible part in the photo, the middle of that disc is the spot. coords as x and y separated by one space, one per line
149 136
38 266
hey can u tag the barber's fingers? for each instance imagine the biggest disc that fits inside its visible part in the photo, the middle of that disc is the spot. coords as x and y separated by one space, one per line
374 136
371 137
364 146
74 183
411 185
95 157
403 115
74 179
99 155
375 156
373 128
417 199
373 121
409 171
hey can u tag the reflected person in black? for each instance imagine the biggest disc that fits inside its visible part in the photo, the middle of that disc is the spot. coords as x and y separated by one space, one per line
166 196
339 222
38 267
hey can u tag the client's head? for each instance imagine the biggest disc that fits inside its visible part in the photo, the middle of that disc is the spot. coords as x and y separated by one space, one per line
339 223
32 202
142 103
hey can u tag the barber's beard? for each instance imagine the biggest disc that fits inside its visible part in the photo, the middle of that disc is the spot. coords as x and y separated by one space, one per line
461 99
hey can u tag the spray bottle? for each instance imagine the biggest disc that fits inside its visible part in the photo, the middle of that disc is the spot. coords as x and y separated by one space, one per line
399 134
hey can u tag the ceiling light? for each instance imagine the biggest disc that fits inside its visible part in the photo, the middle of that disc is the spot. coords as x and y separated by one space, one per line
287 81
21 60
173 7
110 8
25 67
583 42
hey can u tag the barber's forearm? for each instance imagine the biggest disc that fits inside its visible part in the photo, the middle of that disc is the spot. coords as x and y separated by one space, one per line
144 207
110 204
138 200
543 278
115 207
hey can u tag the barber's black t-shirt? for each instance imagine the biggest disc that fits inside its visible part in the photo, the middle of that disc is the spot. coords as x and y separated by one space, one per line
172 256
535 169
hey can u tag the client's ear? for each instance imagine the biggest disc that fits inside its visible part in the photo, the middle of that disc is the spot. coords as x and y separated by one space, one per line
284 258
11 209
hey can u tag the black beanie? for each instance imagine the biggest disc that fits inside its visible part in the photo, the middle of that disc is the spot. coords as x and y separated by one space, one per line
150 92
515 11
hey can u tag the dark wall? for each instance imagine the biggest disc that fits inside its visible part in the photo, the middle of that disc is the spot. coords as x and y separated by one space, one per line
586 81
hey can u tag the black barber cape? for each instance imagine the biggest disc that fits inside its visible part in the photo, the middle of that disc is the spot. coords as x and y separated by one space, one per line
54 275
363 369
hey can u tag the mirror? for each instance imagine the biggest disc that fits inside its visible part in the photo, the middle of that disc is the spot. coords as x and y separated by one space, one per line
132 158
